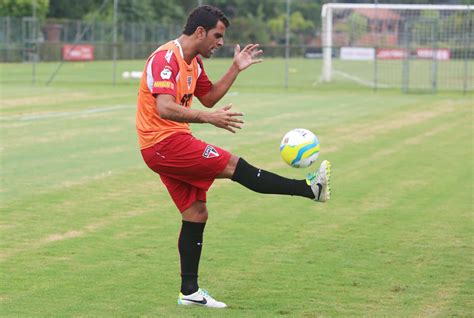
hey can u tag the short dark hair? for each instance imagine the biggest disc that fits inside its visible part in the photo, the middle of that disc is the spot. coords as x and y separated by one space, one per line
205 16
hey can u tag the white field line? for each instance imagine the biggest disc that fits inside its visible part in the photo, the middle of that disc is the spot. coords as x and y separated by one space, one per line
360 80
48 115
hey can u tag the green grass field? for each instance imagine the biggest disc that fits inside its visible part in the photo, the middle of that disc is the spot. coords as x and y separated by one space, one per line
88 230
450 75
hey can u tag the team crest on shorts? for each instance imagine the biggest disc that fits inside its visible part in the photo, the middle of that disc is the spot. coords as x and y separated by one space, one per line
210 152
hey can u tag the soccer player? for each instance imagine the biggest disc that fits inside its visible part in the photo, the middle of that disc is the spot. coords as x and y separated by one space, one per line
174 74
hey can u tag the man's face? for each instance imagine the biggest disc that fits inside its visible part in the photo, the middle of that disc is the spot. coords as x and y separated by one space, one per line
214 38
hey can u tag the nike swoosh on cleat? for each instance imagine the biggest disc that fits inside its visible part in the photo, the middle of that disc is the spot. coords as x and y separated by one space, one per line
202 302
320 188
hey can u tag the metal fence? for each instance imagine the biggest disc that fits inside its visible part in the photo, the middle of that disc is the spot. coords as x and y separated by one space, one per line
18 42
365 31
25 39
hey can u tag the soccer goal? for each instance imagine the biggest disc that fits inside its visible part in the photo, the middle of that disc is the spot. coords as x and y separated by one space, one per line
412 47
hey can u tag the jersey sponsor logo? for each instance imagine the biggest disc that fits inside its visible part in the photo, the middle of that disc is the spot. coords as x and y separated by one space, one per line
190 81
166 73
168 55
163 84
210 152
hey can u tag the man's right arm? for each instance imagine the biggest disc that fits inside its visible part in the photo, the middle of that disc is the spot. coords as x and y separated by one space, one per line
222 118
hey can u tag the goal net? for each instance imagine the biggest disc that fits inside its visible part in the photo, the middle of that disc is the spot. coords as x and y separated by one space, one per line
412 47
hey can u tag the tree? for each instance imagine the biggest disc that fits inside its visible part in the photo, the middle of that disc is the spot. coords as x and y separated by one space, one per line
310 9
167 12
298 25
75 10
357 26
23 8
249 29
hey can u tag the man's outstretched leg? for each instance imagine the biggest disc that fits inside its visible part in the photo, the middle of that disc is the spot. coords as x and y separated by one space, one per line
190 246
316 186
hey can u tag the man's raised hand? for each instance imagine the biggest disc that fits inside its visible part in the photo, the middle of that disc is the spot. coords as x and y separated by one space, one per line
247 56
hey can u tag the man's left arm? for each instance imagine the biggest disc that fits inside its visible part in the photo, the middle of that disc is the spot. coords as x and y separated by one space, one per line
242 60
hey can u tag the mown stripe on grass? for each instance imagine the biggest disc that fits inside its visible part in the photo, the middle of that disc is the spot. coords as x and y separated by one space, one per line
54 115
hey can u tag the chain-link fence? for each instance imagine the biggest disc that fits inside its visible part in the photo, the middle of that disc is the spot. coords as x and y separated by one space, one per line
18 42
394 46
134 40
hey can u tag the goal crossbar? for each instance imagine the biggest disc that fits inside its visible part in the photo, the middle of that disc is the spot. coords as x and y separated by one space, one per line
393 6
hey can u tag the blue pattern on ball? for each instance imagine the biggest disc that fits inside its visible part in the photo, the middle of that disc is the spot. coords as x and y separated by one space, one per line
303 150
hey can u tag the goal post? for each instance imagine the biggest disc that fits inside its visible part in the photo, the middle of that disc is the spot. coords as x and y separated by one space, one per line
398 45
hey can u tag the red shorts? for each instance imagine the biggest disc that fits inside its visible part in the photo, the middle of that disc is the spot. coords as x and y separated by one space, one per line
187 166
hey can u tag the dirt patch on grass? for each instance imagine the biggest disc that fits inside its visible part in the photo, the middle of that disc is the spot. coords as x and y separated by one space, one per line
58 237
63 236
363 132
422 137
438 303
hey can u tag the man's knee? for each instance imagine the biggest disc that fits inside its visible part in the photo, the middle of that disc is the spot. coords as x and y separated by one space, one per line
229 170
197 212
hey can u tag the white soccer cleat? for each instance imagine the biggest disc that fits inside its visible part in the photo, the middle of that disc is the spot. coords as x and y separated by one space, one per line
199 298
320 182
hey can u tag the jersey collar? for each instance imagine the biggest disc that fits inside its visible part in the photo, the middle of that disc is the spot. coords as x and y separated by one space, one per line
176 42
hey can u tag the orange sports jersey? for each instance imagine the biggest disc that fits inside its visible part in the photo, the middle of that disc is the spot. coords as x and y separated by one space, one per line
166 72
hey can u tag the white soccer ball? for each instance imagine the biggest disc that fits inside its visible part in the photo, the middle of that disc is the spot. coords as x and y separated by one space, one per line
299 148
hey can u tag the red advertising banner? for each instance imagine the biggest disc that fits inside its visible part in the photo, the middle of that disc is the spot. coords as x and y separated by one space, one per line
439 54
78 52
391 54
